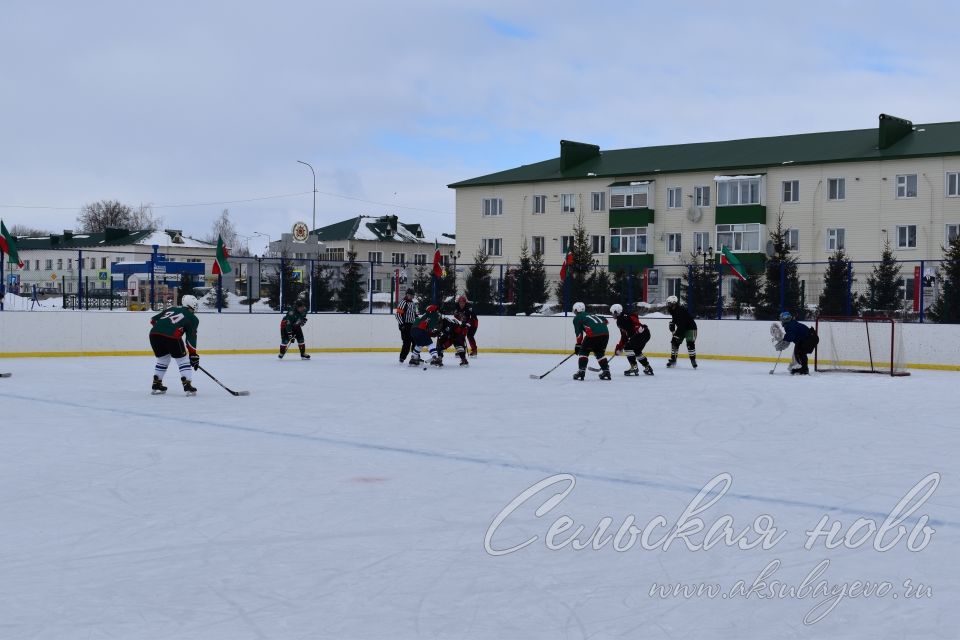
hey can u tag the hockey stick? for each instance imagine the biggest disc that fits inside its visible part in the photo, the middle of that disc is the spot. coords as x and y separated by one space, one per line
776 335
772 371
534 376
5 375
608 362
231 391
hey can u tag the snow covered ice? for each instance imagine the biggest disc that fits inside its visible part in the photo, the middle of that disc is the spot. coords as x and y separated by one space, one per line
350 497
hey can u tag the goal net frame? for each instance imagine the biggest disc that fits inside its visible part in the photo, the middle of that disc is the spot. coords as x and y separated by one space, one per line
879 354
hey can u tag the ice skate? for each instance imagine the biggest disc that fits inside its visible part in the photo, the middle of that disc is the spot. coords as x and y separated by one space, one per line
605 374
632 371
672 362
648 370
188 387
579 375
158 388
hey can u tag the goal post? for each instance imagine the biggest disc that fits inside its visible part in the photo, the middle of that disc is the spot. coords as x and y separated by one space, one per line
860 345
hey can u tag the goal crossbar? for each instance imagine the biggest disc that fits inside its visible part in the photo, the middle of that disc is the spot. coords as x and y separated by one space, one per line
859 345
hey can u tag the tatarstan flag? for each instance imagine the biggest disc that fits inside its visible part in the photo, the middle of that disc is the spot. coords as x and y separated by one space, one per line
566 263
727 258
221 265
437 268
8 245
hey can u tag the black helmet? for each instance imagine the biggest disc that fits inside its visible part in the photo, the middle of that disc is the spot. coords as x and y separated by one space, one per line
408 292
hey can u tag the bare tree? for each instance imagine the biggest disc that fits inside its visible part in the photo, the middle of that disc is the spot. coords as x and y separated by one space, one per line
223 227
31 232
98 216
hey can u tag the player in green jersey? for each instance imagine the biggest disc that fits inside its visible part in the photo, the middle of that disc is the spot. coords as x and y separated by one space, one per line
170 329
291 328
592 337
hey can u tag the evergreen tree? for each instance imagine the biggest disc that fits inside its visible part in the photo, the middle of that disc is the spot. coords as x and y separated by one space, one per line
447 289
282 277
186 287
422 286
946 308
577 286
768 305
479 288
323 292
627 287
538 279
745 293
601 289
350 295
699 285
521 282
884 286
833 297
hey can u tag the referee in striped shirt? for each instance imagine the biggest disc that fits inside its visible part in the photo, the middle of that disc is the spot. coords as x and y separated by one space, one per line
406 315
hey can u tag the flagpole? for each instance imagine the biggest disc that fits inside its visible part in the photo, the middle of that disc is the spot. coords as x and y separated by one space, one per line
3 279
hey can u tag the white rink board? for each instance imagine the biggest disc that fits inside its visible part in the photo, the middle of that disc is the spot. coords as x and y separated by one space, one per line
93 332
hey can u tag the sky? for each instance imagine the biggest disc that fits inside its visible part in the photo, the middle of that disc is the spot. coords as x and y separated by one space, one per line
211 104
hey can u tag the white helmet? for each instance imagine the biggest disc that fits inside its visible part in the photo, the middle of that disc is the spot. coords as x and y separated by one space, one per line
616 309
579 307
190 302
672 300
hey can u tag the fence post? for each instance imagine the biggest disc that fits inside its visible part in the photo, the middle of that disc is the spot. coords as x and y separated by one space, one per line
848 303
783 286
720 293
630 288
80 279
310 285
921 287
3 279
370 310
500 290
153 280
691 292
219 293
566 295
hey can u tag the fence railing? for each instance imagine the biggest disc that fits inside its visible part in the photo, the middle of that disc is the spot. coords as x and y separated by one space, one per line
99 279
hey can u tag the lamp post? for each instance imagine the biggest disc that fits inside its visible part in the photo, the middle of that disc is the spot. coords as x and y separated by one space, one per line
314 193
706 254
263 235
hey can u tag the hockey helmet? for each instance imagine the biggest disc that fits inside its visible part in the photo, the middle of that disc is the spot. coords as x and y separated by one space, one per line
786 317
579 307
616 309
190 302
672 301
408 292
462 300
432 308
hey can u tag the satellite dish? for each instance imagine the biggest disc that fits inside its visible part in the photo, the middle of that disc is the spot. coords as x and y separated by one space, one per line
771 250
694 213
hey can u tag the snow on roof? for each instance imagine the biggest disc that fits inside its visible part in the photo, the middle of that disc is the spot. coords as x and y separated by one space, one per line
163 239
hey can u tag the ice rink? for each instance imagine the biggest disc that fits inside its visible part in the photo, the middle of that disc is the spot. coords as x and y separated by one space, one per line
352 498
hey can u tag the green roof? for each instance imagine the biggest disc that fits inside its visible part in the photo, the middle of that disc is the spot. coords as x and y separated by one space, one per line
343 230
894 138
379 229
80 240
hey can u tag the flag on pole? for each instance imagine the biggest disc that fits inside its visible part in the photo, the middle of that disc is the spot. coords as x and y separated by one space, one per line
437 268
221 265
727 258
8 245
566 263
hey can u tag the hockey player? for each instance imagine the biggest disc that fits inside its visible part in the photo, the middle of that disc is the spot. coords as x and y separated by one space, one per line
406 314
468 318
291 328
452 334
592 337
168 327
683 327
634 335
424 328
804 340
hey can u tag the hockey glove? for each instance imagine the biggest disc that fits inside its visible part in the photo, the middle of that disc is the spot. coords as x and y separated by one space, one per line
576 349
303 322
673 326
780 346
195 361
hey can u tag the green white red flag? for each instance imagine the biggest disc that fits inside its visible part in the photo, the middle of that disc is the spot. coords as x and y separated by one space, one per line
221 264
8 245
566 263
729 259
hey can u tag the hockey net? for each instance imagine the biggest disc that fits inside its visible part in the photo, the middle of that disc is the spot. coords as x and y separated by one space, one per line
860 345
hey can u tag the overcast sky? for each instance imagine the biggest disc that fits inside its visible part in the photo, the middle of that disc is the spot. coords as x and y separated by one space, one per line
173 103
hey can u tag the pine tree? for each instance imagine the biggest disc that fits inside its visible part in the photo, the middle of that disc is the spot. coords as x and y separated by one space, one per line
884 287
745 293
323 292
350 295
186 287
479 289
833 297
700 283
600 287
538 279
422 286
447 290
768 306
946 308
627 287
577 287
282 277
521 281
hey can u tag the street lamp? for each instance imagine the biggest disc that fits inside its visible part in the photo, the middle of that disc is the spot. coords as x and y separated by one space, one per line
314 193
707 255
264 235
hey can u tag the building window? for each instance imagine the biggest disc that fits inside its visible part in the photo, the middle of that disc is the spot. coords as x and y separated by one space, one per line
953 184
701 241
119 259
26 265
103 263
376 257
419 259
674 198
739 237
836 188
953 230
598 244
598 201
48 265
398 258
743 191
628 197
790 191
59 264
907 186
539 204
492 246
673 243
628 240
566 244
36 265
836 239
492 206
376 285
568 203
334 255
792 236
539 245
907 236
69 264
701 196
673 287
